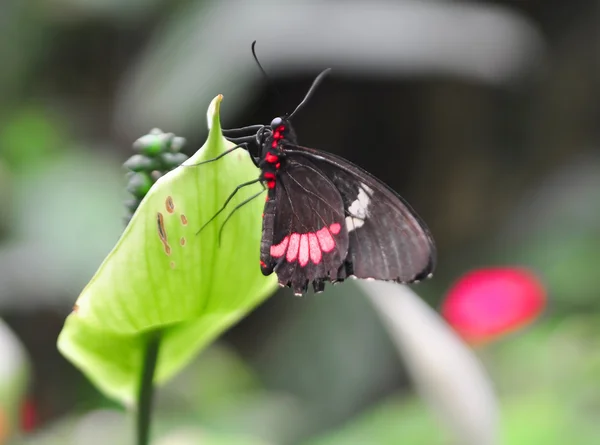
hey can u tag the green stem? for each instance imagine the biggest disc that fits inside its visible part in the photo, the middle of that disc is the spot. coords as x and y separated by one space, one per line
145 396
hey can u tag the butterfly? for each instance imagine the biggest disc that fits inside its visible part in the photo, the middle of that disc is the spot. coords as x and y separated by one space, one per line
326 219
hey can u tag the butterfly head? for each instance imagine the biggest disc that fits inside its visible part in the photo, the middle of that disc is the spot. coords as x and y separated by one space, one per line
275 123
281 130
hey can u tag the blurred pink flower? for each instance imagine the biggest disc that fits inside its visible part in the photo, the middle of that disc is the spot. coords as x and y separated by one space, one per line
487 303
29 419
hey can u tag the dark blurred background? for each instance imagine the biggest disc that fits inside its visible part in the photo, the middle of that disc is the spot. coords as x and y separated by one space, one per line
483 115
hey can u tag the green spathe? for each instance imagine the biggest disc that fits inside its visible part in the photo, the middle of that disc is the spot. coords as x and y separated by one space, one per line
162 277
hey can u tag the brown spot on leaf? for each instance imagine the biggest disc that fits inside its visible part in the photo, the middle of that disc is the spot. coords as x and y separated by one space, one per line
183 220
162 233
75 308
169 204
161 226
182 241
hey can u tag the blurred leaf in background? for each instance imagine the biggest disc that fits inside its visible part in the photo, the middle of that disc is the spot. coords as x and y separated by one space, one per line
14 380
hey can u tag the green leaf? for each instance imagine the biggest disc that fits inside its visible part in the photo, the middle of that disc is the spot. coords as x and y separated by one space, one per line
163 276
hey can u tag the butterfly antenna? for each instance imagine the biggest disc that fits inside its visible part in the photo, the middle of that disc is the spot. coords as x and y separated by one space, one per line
311 91
267 78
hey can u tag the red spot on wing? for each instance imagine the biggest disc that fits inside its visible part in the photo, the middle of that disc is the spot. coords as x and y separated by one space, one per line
277 166
278 250
271 184
281 129
277 135
315 249
304 252
274 143
269 175
335 228
326 241
262 263
294 245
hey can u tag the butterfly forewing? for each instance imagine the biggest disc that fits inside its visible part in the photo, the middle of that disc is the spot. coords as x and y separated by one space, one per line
387 239
304 231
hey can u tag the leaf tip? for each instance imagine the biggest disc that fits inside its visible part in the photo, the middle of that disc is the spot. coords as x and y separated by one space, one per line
214 109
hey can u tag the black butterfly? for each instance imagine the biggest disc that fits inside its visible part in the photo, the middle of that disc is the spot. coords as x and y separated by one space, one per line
326 219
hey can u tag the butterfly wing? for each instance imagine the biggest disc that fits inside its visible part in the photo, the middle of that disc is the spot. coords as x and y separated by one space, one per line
387 239
304 236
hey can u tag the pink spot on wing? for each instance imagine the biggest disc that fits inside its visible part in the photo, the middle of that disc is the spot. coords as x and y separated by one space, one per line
304 252
315 249
294 245
325 240
279 249
335 228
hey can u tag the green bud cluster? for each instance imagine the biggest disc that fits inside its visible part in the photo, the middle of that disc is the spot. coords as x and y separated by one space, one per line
158 153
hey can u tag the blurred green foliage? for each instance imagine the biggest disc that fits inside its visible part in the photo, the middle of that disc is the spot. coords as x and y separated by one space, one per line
31 138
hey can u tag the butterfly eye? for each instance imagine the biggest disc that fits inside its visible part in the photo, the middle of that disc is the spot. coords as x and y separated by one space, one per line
276 122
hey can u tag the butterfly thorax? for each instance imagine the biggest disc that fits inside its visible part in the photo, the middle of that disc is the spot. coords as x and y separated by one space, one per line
273 156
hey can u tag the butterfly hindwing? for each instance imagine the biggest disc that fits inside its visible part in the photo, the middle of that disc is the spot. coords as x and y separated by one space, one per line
387 239
304 232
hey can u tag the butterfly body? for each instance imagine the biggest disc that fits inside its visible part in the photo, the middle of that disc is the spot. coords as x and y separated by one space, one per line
325 219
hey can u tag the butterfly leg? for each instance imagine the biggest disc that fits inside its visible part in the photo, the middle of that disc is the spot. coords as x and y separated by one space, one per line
250 128
241 140
254 181
255 161
244 141
243 145
240 205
